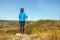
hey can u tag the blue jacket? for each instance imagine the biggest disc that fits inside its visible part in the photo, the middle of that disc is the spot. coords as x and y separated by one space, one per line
22 16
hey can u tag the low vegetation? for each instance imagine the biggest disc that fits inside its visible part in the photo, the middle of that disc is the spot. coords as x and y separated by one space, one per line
45 29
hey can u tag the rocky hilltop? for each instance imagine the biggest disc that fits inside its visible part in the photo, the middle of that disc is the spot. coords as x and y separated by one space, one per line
19 36
39 36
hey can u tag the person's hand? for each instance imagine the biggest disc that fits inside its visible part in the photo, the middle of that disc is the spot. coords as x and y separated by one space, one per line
26 16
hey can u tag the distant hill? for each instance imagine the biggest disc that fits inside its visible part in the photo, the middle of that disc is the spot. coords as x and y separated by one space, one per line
11 23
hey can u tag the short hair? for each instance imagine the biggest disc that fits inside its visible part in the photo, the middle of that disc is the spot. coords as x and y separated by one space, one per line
22 9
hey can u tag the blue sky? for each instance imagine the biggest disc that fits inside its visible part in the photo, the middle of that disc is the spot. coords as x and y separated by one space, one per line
35 9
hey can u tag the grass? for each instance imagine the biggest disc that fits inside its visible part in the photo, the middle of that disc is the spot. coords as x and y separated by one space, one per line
52 34
48 34
7 34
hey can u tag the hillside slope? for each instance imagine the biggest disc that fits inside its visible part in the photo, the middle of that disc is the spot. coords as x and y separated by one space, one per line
42 25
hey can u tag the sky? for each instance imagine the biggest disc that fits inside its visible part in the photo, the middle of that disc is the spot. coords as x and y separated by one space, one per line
34 9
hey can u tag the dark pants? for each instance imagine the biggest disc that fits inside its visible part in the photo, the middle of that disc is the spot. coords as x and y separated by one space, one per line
22 24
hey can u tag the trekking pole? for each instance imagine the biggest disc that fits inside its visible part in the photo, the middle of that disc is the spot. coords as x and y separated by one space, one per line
27 19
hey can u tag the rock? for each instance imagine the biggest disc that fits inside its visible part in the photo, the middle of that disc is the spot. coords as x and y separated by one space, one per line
19 36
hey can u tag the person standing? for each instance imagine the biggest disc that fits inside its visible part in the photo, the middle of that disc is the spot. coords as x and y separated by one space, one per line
22 17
